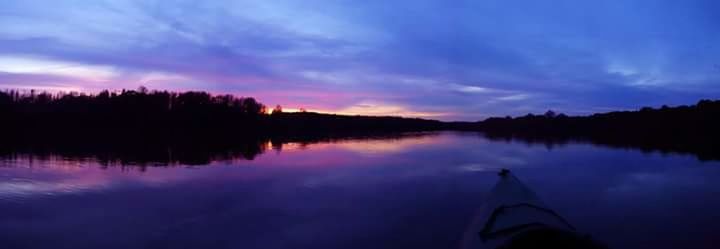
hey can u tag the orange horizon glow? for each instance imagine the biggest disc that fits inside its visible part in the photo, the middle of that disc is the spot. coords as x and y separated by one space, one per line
361 108
375 110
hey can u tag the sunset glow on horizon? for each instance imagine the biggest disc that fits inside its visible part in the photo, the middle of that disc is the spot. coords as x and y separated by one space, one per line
456 61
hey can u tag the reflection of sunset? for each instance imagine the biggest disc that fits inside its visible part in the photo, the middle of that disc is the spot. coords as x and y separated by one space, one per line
53 175
371 145
48 175
387 146
293 146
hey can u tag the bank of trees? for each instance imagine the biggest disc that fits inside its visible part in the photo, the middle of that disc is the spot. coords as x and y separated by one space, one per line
691 128
141 116
143 120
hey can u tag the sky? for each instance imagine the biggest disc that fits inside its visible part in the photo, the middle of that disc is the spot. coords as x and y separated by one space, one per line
448 60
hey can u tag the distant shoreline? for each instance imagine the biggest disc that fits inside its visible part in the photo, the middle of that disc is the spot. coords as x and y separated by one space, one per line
193 120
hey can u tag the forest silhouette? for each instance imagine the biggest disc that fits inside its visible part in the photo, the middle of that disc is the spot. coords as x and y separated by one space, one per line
138 126
692 129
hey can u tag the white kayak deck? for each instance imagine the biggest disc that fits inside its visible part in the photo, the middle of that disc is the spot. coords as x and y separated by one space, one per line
510 209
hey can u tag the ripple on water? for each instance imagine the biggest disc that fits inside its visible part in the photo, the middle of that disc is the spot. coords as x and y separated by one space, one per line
22 189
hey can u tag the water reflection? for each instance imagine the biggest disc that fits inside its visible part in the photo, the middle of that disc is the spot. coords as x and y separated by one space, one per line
202 154
415 191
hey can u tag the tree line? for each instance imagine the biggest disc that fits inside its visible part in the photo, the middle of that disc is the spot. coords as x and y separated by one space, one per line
155 120
132 121
130 114
686 128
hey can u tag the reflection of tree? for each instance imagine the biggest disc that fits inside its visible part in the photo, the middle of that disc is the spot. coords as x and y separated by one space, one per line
148 155
685 129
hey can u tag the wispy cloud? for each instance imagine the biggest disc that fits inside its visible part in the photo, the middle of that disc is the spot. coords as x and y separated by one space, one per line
465 60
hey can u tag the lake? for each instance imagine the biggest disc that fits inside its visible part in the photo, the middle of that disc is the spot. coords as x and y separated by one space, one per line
418 191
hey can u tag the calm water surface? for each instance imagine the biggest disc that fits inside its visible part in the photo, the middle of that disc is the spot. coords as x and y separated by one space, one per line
416 192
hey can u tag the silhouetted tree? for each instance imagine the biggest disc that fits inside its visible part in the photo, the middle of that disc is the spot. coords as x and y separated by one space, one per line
550 114
277 110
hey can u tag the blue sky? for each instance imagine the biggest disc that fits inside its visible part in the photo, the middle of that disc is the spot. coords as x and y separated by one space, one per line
450 60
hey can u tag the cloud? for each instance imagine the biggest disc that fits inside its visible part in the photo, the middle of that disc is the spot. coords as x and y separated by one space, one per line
470 89
29 65
514 97
467 59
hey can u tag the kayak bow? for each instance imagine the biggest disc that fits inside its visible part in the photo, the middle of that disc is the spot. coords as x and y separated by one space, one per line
514 217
